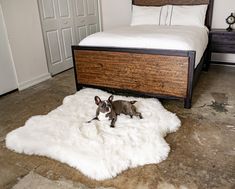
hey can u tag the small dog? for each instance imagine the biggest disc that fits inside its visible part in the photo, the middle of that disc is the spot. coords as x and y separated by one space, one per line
115 108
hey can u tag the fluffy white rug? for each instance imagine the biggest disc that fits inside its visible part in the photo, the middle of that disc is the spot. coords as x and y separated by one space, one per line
98 151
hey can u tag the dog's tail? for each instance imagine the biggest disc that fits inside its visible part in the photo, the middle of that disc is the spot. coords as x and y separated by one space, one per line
133 102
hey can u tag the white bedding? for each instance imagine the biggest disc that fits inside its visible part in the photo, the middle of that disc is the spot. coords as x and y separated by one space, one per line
153 37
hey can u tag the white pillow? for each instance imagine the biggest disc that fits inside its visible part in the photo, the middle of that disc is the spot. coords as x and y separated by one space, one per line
193 15
148 15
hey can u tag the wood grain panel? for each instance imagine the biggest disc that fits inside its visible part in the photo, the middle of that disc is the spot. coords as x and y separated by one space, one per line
147 73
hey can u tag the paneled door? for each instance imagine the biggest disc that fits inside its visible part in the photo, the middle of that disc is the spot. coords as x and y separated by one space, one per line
7 74
86 14
60 31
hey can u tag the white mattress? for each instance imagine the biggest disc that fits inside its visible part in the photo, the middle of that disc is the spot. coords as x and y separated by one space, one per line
153 37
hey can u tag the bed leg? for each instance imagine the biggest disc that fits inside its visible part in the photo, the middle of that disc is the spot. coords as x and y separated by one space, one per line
188 99
207 60
79 87
187 103
207 66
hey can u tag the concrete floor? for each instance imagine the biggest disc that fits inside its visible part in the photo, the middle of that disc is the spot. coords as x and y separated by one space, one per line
203 150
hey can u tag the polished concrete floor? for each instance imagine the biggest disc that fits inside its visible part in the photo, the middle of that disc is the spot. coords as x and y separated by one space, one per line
202 151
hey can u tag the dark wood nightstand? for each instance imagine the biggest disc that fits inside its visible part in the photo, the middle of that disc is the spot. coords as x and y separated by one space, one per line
221 41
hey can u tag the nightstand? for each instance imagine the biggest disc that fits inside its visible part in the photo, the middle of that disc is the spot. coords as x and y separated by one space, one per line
221 41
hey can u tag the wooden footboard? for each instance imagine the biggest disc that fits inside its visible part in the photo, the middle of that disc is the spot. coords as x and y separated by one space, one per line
160 73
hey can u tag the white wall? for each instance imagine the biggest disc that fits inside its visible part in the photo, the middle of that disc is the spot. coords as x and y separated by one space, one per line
115 13
26 42
7 73
222 9
118 13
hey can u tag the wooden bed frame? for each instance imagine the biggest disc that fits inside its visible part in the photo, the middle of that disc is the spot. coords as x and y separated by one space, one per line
144 72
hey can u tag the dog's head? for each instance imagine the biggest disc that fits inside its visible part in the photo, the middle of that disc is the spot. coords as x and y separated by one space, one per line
104 105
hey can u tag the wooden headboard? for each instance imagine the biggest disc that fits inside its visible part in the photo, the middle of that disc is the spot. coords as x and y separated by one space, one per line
180 2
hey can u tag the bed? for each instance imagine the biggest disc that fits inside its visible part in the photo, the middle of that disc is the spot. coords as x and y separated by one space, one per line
122 65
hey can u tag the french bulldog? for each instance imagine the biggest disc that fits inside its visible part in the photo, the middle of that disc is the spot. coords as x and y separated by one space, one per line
112 109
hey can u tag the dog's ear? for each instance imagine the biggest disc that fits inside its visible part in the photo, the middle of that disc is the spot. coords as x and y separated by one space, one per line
110 98
97 100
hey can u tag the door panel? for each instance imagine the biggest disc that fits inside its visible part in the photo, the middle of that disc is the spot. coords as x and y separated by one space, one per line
80 9
81 32
91 7
67 40
64 8
93 28
48 9
54 46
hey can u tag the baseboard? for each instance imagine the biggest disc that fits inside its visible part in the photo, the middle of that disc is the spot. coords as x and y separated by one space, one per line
34 81
7 93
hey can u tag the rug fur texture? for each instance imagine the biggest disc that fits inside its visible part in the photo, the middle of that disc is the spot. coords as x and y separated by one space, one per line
98 151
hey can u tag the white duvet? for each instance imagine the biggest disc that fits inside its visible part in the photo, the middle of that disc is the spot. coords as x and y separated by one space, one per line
153 37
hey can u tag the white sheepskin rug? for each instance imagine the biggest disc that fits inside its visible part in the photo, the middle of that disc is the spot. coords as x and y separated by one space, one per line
96 149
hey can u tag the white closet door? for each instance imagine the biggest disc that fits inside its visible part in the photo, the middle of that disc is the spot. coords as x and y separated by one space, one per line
86 16
65 23
58 31
7 75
